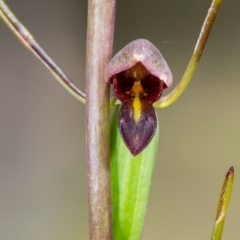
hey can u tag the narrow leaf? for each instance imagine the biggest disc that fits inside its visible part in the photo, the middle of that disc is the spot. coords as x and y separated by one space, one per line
223 205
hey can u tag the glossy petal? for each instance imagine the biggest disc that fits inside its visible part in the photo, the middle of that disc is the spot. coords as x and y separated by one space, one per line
137 132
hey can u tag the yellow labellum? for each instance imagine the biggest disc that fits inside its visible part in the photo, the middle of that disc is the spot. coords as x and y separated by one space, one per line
136 109
137 90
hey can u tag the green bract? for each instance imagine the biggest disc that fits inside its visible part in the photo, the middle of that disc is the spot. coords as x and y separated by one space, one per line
130 184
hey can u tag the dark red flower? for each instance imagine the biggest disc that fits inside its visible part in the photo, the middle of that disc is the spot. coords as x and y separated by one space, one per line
139 75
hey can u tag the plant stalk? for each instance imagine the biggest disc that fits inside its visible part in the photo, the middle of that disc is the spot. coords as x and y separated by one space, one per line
31 44
197 53
101 16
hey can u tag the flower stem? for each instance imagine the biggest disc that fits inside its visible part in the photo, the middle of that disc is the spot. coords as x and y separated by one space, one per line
101 16
197 53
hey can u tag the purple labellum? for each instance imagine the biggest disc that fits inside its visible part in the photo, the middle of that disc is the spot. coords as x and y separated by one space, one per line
139 75
137 135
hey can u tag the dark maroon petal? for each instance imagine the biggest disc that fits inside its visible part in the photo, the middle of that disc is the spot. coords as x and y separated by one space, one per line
137 134
119 91
152 86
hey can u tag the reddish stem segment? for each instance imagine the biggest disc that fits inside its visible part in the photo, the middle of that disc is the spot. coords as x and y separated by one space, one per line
101 16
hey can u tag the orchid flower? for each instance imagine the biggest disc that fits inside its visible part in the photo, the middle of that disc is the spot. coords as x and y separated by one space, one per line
139 74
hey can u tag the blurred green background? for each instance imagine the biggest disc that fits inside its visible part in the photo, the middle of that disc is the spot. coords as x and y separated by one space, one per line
42 131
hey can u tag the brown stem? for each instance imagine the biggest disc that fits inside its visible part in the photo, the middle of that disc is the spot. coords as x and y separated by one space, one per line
101 16
29 42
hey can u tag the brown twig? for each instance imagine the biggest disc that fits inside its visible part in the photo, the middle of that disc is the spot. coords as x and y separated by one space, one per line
101 16
30 43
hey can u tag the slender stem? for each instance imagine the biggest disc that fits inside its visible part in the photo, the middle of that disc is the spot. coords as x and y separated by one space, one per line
101 16
202 39
28 41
